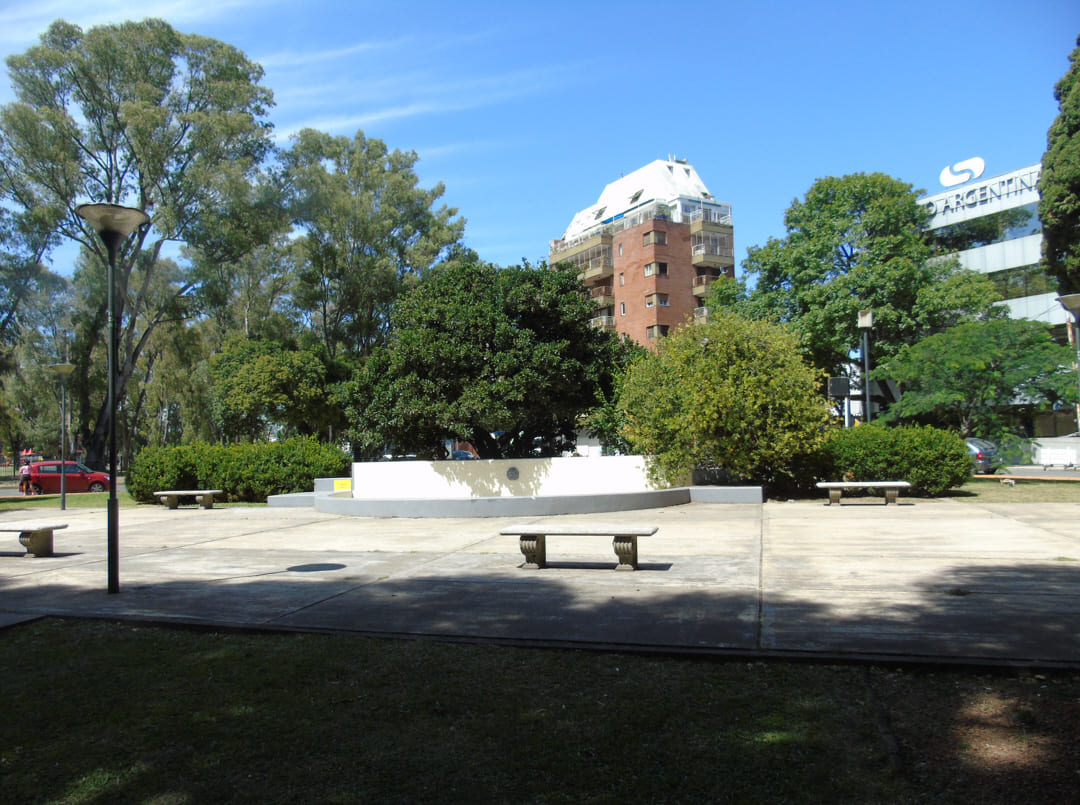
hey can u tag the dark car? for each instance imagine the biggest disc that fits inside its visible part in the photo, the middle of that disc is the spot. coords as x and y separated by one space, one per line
984 455
45 478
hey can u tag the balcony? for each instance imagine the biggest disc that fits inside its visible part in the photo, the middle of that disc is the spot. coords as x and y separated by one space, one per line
603 322
710 255
701 315
597 268
603 296
701 285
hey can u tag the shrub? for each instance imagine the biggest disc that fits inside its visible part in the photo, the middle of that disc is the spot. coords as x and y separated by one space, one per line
245 472
931 460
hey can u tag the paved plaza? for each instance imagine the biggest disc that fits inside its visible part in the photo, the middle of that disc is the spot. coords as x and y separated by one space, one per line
935 580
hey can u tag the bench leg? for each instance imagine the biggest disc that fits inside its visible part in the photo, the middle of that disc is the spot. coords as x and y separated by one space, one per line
891 496
626 550
535 550
172 501
38 543
834 497
206 501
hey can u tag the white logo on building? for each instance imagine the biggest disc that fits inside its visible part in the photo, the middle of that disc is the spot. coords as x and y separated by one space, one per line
952 175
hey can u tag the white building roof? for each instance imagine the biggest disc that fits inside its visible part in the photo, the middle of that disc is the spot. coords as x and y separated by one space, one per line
662 181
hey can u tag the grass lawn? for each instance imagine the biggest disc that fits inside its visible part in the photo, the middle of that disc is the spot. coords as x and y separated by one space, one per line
100 712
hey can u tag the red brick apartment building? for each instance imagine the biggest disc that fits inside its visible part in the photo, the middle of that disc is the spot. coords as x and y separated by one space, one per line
649 249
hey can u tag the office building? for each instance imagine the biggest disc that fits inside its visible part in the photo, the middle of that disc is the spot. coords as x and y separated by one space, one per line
992 226
649 248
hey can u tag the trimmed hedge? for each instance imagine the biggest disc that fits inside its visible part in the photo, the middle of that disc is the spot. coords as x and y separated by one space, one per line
931 460
246 472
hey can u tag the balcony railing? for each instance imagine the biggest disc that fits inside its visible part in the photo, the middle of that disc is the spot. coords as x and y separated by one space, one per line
603 322
710 216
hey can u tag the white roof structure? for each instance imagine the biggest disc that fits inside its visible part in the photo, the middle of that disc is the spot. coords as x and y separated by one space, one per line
659 182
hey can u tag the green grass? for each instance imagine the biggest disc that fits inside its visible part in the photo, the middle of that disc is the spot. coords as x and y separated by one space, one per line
105 712
1034 490
80 500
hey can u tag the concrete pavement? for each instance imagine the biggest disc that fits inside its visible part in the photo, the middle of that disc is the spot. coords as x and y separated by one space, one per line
935 580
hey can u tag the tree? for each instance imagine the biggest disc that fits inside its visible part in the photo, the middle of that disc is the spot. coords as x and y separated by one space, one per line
857 243
1059 185
138 114
970 375
732 394
504 358
368 227
260 387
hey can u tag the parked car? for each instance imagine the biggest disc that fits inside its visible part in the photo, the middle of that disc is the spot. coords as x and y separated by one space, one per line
45 478
984 455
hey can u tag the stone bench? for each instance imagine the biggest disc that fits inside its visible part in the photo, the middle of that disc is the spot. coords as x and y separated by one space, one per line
533 541
36 538
204 497
890 488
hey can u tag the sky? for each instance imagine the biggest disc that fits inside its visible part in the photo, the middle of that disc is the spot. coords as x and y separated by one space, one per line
526 110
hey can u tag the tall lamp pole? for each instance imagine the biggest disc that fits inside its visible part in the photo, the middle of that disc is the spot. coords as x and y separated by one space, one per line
63 372
866 321
1071 302
113 224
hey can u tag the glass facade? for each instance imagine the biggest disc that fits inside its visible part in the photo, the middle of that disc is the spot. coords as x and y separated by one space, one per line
997 227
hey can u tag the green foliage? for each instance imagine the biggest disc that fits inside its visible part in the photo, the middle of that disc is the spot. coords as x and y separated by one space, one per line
140 114
968 376
732 394
857 243
504 358
260 385
1059 184
246 472
931 460
368 228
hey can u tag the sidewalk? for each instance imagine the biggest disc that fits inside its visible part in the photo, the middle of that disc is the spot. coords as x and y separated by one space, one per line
925 580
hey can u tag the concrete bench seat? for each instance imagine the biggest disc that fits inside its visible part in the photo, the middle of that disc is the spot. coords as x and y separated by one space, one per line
204 497
37 538
533 540
890 488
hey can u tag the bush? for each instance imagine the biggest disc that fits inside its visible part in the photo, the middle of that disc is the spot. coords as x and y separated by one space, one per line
931 460
245 472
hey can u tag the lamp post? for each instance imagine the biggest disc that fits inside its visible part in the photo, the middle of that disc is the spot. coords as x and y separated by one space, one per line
63 372
113 224
1071 302
866 321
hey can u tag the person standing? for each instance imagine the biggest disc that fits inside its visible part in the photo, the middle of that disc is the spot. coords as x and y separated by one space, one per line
24 477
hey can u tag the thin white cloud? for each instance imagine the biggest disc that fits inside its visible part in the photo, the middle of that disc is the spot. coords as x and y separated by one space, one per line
22 24
292 58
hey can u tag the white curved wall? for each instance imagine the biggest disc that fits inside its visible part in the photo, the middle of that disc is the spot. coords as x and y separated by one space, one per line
400 480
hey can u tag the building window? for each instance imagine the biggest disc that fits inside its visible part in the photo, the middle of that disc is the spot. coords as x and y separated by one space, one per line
656 331
654 299
620 250
655 268
622 278
657 237
622 308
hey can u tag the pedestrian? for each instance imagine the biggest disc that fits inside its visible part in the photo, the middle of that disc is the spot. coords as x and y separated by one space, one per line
24 477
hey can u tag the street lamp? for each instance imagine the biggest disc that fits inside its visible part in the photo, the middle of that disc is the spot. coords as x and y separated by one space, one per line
113 224
866 321
1071 302
63 372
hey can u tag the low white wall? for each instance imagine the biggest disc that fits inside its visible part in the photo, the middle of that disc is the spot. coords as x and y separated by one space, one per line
400 480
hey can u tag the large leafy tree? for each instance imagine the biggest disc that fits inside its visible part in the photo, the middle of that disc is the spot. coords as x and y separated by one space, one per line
142 115
1059 186
368 227
504 358
969 376
732 395
858 243
261 387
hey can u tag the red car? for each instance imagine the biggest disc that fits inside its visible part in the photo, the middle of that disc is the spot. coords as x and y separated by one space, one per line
45 478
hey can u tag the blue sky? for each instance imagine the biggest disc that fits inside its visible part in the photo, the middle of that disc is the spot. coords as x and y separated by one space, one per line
526 110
